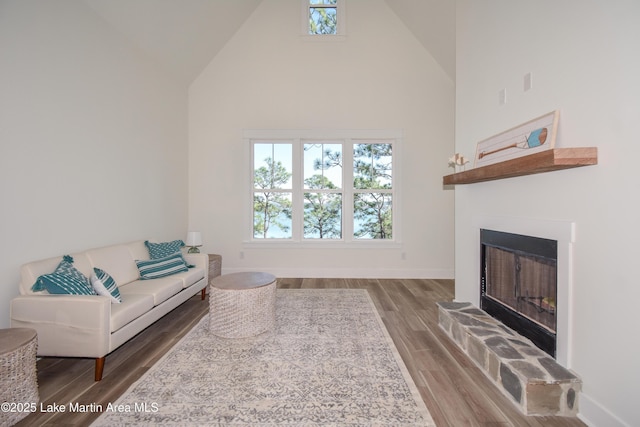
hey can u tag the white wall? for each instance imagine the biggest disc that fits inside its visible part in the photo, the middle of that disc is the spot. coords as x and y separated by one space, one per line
93 139
584 59
269 77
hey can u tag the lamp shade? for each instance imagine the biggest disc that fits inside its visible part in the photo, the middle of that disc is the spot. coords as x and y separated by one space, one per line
194 238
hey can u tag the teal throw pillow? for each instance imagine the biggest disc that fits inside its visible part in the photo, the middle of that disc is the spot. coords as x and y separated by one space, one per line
104 285
56 283
66 267
161 267
66 279
161 250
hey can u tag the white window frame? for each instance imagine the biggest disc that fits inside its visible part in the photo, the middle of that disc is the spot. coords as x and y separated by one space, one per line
298 138
341 24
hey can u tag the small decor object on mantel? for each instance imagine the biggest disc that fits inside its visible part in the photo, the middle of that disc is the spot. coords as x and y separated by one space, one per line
458 160
528 138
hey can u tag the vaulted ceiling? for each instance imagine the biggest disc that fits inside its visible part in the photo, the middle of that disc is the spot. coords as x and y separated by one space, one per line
185 35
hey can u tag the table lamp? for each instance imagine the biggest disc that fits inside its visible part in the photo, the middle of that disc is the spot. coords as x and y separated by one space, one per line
194 239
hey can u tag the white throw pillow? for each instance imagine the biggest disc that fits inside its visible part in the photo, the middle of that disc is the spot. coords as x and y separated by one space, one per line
104 285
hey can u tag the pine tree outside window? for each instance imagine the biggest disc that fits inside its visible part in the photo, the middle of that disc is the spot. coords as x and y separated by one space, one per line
373 190
323 17
272 190
322 190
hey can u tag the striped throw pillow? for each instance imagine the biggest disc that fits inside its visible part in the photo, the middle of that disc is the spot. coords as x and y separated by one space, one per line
104 285
66 267
66 279
56 283
161 267
161 250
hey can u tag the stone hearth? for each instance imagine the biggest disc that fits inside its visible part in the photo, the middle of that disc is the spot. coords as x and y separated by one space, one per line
528 376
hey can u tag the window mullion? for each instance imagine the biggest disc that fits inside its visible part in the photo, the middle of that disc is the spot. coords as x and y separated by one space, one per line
347 187
297 216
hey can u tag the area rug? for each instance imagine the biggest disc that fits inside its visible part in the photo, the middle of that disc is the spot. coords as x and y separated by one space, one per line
329 362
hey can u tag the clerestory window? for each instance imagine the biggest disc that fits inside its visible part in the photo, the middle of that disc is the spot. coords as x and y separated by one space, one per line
323 17
307 187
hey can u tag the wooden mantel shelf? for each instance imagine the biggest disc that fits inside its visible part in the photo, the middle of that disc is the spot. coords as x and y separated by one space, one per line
542 161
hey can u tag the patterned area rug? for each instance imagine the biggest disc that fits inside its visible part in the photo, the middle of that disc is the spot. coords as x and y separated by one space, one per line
329 362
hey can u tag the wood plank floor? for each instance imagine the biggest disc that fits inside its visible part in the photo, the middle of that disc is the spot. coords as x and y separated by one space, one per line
455 391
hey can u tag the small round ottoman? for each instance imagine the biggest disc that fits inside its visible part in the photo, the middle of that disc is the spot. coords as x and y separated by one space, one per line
242 305
18 378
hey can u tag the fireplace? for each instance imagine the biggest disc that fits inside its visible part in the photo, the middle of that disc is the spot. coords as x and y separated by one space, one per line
519 284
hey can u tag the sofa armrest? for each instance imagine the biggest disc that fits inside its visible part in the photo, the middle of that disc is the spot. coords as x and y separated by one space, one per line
67 325
200 261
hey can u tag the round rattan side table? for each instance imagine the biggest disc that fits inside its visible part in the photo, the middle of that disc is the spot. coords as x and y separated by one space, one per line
18 378
242 305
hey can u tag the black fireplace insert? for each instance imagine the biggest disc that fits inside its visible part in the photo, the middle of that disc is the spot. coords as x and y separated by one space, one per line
518 282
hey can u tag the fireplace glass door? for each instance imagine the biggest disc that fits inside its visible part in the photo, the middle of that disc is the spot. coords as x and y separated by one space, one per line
526 284
519 284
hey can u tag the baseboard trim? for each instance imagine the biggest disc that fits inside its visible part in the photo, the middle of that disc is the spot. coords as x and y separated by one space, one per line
594 414
350 273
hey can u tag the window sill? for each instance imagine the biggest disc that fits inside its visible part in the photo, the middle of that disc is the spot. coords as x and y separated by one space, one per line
323 38
290 244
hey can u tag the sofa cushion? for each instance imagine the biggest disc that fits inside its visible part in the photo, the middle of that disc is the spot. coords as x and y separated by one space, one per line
138 250
191 276
117 260
132 307
161 267
160 289
161 250
104 285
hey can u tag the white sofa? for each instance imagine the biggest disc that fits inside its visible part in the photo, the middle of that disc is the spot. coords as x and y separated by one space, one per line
91 325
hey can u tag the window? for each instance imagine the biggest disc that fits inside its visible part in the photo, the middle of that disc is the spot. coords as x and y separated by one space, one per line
323 17
272 195
373 190
310 187
322 185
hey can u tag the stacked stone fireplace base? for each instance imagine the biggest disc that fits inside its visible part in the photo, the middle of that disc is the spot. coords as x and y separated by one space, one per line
530 377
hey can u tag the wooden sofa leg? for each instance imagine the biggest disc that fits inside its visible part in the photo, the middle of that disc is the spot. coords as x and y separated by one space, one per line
203 292
99 367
